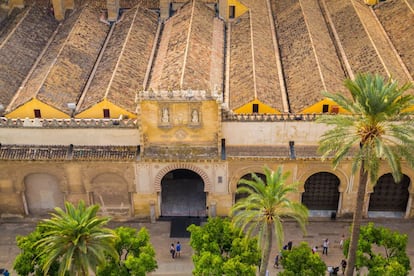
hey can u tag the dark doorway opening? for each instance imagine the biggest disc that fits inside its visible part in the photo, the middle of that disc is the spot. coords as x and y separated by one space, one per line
389 196
321 193
239 196
182 194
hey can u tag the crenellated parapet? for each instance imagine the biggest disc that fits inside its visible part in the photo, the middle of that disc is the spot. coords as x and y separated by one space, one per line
67 123
256 117
180 95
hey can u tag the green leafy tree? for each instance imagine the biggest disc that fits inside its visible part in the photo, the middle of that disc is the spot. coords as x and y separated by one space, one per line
371 131
382 251
301 261
222 249
77 239
26 262
262 211
135 251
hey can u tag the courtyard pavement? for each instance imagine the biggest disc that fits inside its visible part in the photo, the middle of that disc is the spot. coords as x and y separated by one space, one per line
317 231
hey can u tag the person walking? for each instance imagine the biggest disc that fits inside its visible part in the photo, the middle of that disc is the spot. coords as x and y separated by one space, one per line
341 242
276 265
178 249
325 247
172 250
343 265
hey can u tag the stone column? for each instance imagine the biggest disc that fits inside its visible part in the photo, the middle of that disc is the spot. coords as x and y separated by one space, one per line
113 10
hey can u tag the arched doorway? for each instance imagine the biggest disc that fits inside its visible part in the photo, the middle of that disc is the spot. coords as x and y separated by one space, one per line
110 191
182 194
42 193
239 196
389 198
321 194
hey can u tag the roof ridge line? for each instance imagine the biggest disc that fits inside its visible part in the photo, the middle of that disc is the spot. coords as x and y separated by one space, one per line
15 27
121 53
34 66
187 45
252 48
58 54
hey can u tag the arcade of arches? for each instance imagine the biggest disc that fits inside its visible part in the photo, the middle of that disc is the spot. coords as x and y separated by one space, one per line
188 190
322 196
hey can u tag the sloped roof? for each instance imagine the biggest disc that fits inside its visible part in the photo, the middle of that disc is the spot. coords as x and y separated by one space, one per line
65 68
266 82
21 42
188 49
121 71
303 80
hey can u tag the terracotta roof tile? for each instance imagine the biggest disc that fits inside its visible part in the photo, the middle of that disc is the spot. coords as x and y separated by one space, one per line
398 21
60 78
121 72
303 81
187 50
169 62
56 152
241 83
265 62
25 41
357 45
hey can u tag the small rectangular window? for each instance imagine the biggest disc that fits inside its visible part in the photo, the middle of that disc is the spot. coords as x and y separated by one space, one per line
232 11
106 113
325 108
37 113
255 108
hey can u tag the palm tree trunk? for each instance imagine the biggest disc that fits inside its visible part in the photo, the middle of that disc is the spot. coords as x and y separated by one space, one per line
356 222
267 247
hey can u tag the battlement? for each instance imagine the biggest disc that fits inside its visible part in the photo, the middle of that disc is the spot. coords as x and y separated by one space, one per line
67 123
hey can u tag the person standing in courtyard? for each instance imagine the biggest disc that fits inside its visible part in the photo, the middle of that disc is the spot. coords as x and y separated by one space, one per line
178 249
325 247
172 250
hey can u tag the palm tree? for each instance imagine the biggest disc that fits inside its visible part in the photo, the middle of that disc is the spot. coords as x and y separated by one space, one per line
262 212
77 239
374 128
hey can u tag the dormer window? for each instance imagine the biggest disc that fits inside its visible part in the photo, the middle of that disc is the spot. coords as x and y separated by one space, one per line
106 113
232 12
37 113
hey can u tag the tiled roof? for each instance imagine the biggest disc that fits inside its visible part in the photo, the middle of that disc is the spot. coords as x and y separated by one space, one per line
65 68
397 18
184 57
266 80
180 152
241 82
83 153
21 42
359 50
79 153
303 81
121 71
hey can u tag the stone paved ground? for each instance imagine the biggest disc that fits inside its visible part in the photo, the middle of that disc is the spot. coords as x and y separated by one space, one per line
317 230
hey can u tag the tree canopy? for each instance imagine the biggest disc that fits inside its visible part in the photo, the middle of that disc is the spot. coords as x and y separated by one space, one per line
382 251
301 261
261 213
222 249
136 254
374 128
